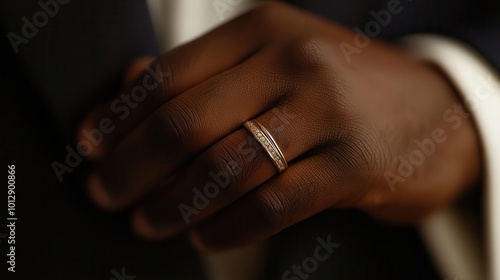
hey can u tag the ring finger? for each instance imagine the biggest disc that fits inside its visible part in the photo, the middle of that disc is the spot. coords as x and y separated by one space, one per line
228 170
182 128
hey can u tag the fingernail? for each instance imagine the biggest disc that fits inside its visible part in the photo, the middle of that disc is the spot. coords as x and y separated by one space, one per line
144 227
141 225
98 193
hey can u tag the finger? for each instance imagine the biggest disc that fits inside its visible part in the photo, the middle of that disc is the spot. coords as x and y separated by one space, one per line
135 69
182 128
170 75
309 186
222 174
99 123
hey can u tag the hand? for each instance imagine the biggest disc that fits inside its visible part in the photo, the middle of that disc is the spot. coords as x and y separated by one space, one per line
178 153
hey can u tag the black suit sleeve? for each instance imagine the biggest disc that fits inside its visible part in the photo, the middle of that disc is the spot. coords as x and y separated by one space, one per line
73 62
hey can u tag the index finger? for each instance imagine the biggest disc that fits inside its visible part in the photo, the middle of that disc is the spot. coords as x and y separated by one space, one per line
170 75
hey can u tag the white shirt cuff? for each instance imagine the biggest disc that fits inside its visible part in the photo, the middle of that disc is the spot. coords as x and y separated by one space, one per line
479 86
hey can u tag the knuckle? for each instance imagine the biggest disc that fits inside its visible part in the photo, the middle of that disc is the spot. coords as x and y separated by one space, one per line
310 56
162 72
181 120
364 159
367 148
363 156
217 86
227 157
333 113
168 80
175 124
336 103
226 164
307 62
268 17
266 12
273 207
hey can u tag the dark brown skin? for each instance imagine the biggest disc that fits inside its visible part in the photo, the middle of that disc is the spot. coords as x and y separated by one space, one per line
341 127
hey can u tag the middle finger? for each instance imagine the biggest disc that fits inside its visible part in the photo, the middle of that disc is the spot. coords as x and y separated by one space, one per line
184 127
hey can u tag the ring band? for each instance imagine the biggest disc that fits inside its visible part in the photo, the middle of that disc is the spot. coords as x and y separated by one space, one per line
267 141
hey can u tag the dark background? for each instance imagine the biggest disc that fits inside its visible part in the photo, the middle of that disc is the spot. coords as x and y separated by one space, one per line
77 60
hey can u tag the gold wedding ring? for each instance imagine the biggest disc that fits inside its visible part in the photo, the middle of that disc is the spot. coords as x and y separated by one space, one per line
262 135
